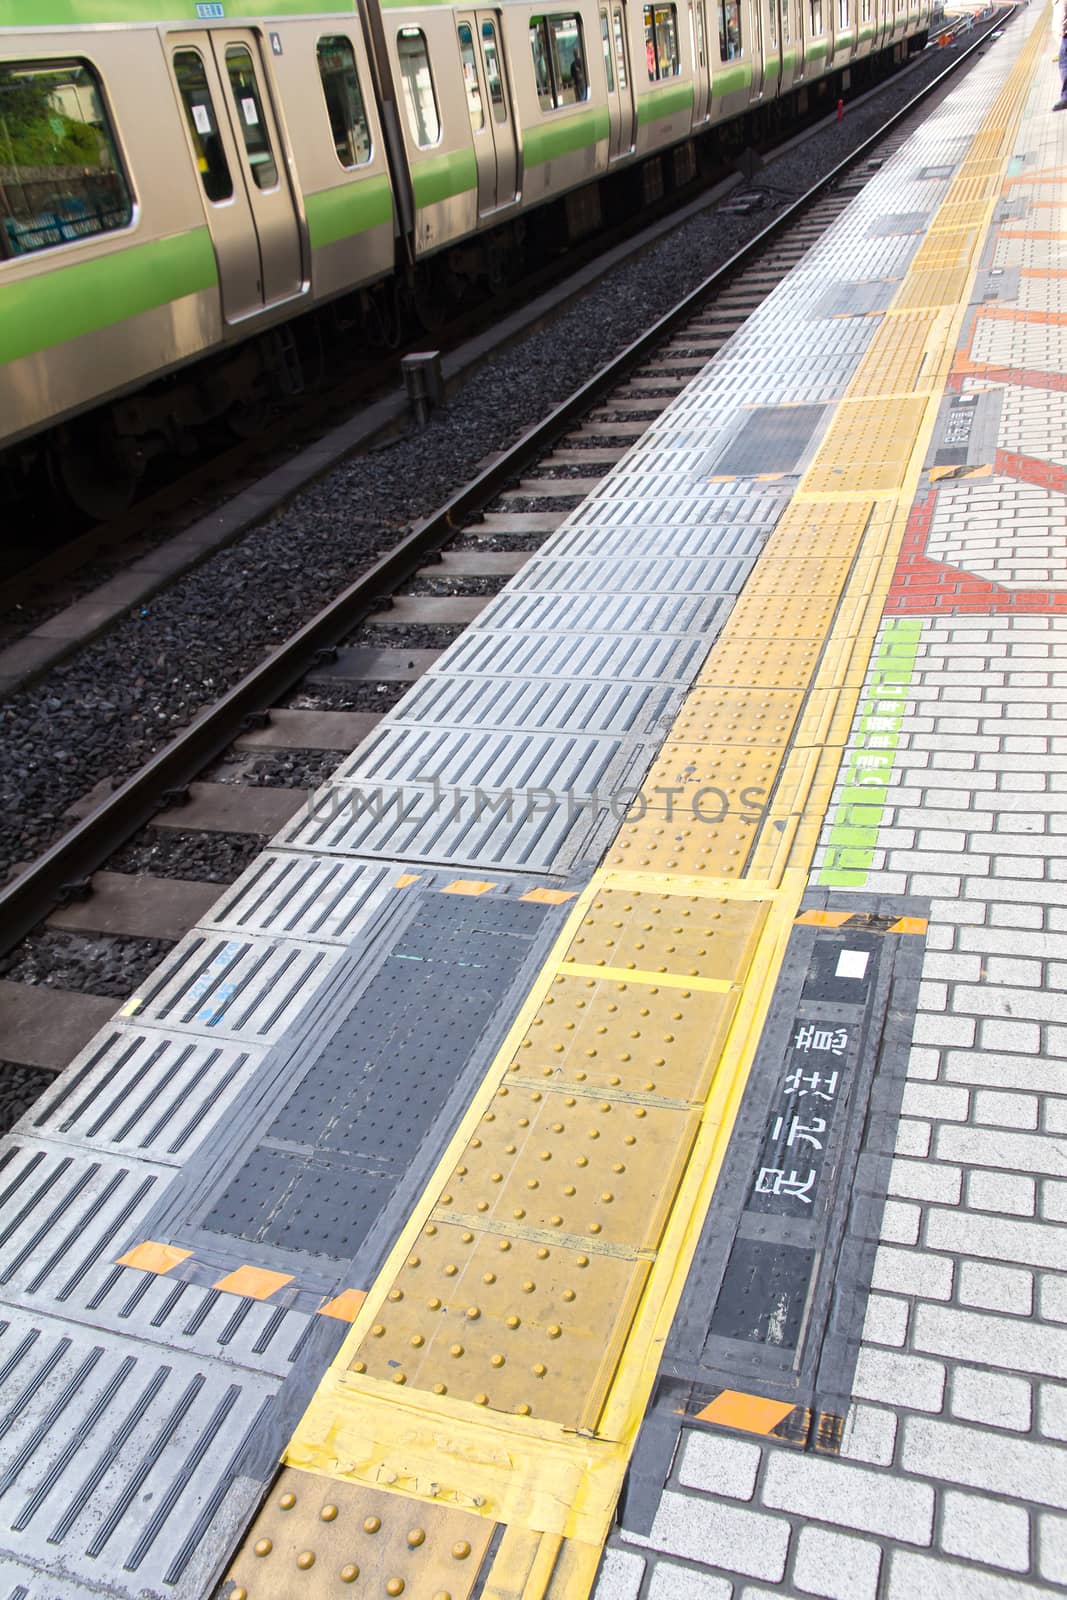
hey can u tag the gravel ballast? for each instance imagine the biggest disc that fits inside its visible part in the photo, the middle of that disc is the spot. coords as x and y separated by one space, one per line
105 710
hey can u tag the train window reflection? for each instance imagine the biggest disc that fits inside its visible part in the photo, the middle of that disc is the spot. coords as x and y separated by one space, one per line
60 176
605 39
473 88
493 75
242 75
203 125
558 50
731 44
417 81
344 100
661 42
816 18
620 46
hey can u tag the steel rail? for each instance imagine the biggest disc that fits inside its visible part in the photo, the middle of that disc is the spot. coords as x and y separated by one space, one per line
64 869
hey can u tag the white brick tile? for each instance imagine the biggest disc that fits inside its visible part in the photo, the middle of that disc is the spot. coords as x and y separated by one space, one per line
1052 1296
1011 1343
1055 1115
620 1576
956 1032
978 1395
1005 1110
985 1530
987 1147
926 1180
1052 1410
935 1100
1006 969
952 968
835 1566
978 1283
848 1496
671 1582
886 1321
1054 1200
899 1379
734 1537
719 1465
1005 1034
1006 1192
913 1138
869 1435
912 1272
1002 1071
1052 1548
900 1223
961 1454
999 1238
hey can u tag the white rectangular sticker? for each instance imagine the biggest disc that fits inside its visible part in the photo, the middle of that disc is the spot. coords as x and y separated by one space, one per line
248 106
852 963
202 118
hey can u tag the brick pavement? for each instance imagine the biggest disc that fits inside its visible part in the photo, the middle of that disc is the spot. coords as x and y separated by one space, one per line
952 1475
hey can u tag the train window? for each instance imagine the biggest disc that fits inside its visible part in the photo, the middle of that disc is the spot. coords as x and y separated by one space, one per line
700 49
344 100
842 13
60 175
605 39
493 76
475 109
731 44
423 117
865 10
203 125
661 42
558 50
620 47
772 23
816 18
242 75
785 20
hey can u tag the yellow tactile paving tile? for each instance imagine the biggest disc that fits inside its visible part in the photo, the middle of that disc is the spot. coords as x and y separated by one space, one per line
315 1537
501 1362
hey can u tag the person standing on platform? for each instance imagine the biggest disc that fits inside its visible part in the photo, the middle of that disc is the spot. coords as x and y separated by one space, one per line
1061 103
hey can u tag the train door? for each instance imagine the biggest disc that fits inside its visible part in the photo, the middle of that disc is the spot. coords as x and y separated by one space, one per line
772 42
237 151
623 144
501 118
474 93
701 75
758 48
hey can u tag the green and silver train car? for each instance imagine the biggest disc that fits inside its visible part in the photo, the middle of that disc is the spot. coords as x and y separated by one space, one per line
179 180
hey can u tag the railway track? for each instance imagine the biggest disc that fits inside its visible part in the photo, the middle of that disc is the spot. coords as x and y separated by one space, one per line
140 864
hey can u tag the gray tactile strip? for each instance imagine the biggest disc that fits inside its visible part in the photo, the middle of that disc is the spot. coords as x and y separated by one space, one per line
143 1093
596 707
483 758
627 658
302 898
247 988
117 1459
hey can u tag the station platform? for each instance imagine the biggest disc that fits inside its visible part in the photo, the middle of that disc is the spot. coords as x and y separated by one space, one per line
614 1141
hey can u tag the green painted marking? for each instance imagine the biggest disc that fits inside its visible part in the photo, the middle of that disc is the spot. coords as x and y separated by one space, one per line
84 13
868 764
560 137
727 80
842 39
664 102
348 209
865 33
440 177
788 58
818 47
71 300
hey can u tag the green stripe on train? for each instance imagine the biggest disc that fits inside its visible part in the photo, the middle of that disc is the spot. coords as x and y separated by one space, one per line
348 209
664 102
817 47
547 140
727 80
83 13
440 177
68 301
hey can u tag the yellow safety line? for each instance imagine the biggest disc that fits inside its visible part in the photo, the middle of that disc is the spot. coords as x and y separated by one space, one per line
551 1483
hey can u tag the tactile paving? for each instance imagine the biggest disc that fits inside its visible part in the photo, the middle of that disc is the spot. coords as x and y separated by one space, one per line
616 1036
315 1537
691 936
866 447
599 1170
507 1322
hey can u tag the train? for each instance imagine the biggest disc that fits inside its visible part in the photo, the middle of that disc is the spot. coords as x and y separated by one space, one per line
187 187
